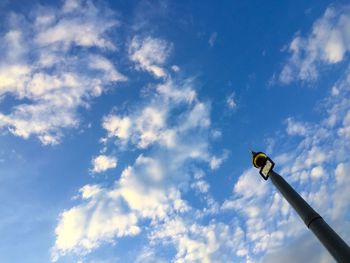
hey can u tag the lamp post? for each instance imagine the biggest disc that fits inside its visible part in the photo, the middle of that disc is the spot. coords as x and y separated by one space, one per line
328 237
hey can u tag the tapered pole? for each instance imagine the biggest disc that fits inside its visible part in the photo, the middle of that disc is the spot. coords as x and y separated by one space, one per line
328 237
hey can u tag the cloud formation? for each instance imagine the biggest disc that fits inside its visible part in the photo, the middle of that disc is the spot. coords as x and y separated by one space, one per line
54 64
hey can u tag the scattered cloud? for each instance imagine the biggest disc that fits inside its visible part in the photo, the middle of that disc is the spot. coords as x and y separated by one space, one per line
257 207
48 80
327 44
171 129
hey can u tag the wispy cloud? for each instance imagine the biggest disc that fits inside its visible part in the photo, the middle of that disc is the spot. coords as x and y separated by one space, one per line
150 54
60 68
216 161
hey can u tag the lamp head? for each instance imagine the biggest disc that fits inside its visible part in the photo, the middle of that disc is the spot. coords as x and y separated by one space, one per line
261 161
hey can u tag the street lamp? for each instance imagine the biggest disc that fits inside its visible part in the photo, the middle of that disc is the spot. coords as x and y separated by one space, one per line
328 237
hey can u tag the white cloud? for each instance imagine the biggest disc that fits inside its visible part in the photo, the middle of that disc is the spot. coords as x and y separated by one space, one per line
80 24
148 125
102 163
344 130
327 44
198 117
145 128
116 126
71 5
201 185
341 193
296 128
110 213
250 184
106 67
315 155
99 219
197 243
230 101
48 82
147 255
175 68
299 251
186 94
215 161
150 54
317 172
9 76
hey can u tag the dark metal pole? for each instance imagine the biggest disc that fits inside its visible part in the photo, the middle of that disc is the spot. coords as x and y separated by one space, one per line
328 237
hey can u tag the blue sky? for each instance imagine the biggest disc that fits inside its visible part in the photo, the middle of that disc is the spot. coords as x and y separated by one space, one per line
126 128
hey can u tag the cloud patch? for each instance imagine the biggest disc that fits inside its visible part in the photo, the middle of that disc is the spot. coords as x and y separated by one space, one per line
102 163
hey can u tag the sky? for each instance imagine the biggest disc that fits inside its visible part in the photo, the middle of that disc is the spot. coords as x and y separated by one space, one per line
126 129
